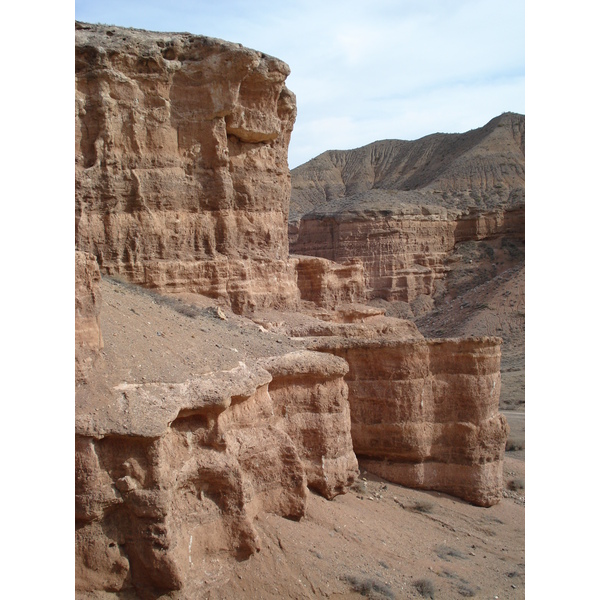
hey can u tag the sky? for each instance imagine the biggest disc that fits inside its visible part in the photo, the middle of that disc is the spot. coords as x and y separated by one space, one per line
363 70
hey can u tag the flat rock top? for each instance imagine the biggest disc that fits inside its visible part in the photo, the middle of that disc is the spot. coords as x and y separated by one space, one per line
171 46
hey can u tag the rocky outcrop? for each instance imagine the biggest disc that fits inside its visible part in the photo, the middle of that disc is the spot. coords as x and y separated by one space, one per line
88 300
329 284
401 207
425 412
182 181
169 475
310 402
403 250
182 185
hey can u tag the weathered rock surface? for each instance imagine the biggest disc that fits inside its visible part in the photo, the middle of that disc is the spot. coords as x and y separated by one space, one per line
194 421
310 399
181 163
88 300
439 226
425 412
405 249
168 476
329 284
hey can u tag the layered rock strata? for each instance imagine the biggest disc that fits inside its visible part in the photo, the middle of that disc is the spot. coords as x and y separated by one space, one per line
181 163
168 475
425 412
401 206
404 250
88 301
329 284
310 402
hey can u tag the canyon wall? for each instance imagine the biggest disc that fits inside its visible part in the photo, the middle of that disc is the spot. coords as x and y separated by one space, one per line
182 181
425 412
330 284
401 207
169 476
88 301
182 185
405 249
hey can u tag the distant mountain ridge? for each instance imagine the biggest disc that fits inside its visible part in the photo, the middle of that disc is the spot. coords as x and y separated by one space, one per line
481 169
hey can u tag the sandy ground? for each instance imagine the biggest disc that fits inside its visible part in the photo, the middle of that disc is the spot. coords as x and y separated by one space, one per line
385 541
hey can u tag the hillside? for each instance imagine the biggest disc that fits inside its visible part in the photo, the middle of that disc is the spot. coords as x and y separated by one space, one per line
482 169
439 225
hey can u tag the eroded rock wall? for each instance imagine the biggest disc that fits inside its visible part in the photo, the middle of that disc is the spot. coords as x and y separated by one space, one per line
310 402
182 180
425 412
405 254
171 475
329 284
88 301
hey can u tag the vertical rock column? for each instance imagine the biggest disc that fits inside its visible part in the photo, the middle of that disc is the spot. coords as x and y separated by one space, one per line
425 412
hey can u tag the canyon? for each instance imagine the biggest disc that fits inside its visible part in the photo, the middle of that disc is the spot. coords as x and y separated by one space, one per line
221 381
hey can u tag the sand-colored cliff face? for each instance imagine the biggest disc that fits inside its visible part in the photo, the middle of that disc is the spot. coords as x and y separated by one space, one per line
182 180
88 302
425 412
193 422
402 206
310 402
169 476
403 254
404 250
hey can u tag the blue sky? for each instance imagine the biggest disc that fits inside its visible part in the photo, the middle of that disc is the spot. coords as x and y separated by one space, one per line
363 71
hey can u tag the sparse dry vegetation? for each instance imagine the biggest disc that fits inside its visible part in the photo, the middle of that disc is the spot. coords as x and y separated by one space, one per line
425 587
369 587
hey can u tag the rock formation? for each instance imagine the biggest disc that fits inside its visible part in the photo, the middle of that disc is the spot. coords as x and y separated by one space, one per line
310 399
182 186
401 207
88 300
425 412
181 164
168 475
405 249
439 226
330 284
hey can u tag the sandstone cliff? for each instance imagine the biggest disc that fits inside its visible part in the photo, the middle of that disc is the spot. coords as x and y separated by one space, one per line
401 207
193 421
88 301
425 412
181 163
437 223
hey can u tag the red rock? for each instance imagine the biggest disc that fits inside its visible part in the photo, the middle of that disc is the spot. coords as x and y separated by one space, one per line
425 412
181 164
